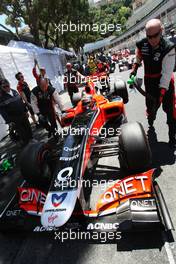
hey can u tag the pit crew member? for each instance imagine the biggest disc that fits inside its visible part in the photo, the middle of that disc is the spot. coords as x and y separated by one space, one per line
25 94
158 55
13 110
43 100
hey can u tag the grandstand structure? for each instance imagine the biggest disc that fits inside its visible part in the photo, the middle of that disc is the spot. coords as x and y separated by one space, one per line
143 10
162 9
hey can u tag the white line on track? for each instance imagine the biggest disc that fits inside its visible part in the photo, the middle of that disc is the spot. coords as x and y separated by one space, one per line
168 249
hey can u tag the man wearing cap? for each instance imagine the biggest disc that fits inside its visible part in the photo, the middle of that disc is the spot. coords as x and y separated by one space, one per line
13 110
25 93
35 74
158 55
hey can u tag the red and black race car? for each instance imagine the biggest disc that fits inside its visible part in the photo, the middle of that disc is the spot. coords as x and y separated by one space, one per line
53 195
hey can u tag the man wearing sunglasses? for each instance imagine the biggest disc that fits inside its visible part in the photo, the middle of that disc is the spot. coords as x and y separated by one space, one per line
158 56
13 110
25 93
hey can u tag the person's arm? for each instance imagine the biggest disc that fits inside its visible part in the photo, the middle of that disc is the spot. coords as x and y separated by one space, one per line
168 65
23 96
35 74
137 62
34 103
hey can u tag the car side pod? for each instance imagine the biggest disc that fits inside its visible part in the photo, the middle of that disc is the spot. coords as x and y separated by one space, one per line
58 208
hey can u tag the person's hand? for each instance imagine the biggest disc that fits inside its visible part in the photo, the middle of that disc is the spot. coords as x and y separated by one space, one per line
162 93
133 73
134 69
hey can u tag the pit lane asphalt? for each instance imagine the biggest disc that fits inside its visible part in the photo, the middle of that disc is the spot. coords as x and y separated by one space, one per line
141 248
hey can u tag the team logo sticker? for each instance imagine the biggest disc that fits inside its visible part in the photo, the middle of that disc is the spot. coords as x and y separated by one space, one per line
156 59
58 199
157 54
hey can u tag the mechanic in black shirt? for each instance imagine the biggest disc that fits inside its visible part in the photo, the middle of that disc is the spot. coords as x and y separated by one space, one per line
71 79
43 99
13 110
158 55
25 93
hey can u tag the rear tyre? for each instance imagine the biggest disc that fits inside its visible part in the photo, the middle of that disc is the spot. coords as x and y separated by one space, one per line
35 164
134 150
120 89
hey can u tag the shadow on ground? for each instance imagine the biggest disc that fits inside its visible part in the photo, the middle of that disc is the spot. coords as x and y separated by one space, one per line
161 153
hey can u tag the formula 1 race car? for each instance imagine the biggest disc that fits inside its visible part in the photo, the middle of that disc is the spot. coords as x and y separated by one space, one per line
53 195
125 64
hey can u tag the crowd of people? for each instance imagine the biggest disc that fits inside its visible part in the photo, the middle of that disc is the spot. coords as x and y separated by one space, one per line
120 54
95 62
158 55
15 104
76 72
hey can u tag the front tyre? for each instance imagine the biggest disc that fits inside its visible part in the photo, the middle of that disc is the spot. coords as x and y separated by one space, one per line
35 164
120 89
134 150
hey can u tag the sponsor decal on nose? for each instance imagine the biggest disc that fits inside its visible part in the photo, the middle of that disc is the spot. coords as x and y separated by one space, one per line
58 199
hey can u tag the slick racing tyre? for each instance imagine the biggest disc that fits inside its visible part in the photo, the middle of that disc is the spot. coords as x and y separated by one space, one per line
134 150
120 89
35 164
